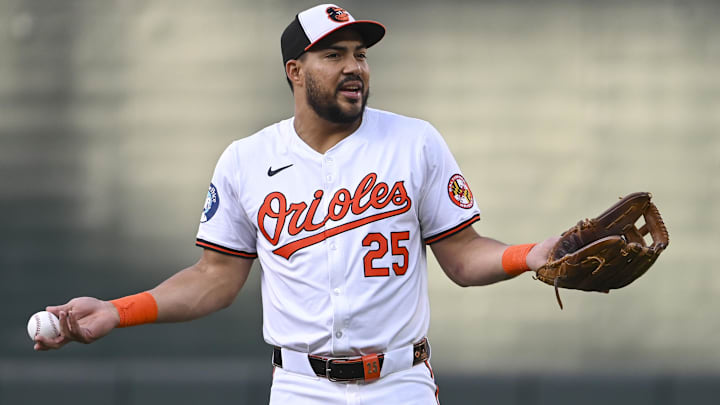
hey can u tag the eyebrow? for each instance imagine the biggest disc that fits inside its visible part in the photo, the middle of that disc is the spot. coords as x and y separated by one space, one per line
344 48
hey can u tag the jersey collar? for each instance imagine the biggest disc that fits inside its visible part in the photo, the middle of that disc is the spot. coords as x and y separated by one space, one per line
347 146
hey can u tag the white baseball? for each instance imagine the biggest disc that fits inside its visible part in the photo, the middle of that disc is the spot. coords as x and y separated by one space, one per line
45 324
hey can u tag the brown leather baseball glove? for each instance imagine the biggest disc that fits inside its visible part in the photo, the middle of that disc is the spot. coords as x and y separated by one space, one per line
607 252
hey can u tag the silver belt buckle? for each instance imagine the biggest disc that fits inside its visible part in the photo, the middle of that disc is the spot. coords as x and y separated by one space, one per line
328 362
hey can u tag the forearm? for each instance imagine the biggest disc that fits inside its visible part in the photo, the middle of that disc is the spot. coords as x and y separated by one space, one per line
192 293
207 286
476 261
470 259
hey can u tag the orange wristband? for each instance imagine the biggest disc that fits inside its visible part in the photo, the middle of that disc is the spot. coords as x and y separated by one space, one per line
136 309
514 259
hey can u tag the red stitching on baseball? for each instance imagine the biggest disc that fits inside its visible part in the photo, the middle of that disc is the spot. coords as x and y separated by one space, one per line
50 318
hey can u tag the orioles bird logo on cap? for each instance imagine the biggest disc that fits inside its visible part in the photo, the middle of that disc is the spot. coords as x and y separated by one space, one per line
337 14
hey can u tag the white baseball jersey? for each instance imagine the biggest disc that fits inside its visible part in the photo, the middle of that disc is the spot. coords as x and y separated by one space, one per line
340 236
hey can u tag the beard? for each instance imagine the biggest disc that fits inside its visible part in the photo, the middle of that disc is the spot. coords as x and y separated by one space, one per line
325 103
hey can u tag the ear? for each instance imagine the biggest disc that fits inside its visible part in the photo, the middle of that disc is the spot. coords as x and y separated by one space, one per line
292 70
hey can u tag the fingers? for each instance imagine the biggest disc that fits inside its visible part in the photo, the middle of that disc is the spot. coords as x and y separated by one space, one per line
77 333
64 326
56 309
69 316
70 328
42 343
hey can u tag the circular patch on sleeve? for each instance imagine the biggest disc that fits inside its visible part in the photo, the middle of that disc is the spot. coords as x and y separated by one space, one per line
212 202
459 192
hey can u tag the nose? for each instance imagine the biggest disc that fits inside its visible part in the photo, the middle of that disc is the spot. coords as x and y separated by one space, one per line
352 65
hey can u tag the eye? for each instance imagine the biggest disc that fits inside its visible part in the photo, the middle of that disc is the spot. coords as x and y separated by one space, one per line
362 55
333 55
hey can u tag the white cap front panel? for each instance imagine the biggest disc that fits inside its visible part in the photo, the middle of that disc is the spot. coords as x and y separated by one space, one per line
323 19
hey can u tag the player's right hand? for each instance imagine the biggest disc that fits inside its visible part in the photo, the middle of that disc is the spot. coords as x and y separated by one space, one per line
82 320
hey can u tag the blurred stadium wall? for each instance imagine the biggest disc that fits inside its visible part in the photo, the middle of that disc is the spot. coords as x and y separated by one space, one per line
113 113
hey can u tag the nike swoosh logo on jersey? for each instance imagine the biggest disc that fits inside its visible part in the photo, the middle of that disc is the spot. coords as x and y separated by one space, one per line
272 172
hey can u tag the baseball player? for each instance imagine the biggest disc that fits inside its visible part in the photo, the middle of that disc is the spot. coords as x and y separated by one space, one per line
338 203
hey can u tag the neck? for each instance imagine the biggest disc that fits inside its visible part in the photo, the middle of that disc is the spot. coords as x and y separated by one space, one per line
319 133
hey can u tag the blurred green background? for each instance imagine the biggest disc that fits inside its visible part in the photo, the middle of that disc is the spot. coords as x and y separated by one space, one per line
113 114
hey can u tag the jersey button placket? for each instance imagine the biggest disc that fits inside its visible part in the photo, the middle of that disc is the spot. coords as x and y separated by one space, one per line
339 303
329 168
338 298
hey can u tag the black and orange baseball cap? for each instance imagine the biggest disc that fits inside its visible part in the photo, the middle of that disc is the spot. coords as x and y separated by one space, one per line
314 24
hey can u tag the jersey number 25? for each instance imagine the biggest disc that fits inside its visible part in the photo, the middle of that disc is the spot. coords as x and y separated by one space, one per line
382 249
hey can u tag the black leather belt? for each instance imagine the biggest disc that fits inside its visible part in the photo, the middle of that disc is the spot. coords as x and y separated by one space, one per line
364 368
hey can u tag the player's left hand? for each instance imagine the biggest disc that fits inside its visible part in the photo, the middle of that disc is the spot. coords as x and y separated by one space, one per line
539 254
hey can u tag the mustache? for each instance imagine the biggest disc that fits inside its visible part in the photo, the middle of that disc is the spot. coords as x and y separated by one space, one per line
350 79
